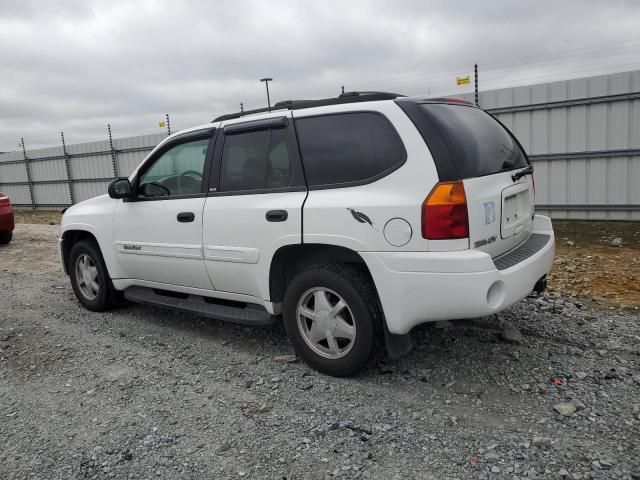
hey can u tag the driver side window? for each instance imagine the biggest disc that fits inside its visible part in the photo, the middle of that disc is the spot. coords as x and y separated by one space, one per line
178 171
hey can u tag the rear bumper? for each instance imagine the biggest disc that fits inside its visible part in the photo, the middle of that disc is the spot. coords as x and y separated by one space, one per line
7 223
419 287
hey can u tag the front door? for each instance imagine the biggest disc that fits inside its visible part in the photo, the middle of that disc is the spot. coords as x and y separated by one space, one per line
158 234
255 205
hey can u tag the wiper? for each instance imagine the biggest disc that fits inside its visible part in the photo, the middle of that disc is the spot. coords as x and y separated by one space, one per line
521 173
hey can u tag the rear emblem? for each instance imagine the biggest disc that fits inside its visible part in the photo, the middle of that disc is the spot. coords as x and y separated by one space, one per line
489 212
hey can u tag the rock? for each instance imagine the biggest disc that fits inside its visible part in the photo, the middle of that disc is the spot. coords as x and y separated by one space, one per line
491 457
580 375
562 473
443 324
512 335
616 242
285 358
495 469
541 442
565 409
570 243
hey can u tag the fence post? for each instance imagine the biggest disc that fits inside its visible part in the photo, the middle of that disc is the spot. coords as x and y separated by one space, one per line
27 167
475 81
114 160
67 166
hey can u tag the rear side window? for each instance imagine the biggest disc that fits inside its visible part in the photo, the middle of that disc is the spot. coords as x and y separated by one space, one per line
255 160
465 142
350 148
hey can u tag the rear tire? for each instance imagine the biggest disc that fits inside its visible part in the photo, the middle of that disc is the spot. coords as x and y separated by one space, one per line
332 317
89 277
5 237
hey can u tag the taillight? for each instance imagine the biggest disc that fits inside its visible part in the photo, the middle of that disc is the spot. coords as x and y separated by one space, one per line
444 212
4 201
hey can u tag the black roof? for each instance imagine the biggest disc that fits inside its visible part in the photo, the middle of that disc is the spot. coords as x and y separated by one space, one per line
347 97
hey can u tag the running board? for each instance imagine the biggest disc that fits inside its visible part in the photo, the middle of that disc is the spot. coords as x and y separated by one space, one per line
246 314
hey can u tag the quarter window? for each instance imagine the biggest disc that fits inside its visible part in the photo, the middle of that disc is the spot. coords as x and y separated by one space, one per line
348 148
255 160
178 171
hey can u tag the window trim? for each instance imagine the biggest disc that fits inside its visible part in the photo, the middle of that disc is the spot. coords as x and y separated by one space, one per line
298 182
353 183
209 133
262 124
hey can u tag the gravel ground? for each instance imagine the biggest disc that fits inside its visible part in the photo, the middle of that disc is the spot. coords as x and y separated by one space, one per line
547 389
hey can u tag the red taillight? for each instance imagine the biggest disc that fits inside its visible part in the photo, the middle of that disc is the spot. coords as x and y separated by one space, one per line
444 212
4 201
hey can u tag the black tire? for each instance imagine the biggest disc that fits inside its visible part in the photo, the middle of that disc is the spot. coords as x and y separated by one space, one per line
106 295
357 290
5 237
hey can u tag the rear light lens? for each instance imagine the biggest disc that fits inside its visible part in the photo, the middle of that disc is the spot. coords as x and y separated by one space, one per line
4 201
444 212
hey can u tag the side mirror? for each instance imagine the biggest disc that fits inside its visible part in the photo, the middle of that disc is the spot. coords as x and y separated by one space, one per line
120 188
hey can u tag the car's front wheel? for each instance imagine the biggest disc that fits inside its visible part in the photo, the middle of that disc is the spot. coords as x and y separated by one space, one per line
332 317
89 277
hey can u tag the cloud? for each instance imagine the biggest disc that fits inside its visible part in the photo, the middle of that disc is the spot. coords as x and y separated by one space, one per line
76 66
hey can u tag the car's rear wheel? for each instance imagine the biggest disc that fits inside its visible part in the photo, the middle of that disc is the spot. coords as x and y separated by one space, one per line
332 317
5 237
89 277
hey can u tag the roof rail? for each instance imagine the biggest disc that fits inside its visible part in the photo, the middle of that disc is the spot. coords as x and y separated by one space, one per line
347 97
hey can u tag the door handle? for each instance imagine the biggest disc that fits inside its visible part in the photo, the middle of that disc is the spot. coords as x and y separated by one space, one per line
277 215
186 217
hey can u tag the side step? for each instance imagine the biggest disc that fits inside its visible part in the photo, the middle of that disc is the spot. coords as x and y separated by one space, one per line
227 311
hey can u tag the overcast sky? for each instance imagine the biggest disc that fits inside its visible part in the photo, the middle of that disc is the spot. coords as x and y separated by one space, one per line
76 65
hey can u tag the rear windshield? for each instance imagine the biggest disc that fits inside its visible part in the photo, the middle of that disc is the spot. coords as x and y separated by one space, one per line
466 142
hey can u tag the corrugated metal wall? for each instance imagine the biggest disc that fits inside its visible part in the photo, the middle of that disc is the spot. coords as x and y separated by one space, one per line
59 179
582 135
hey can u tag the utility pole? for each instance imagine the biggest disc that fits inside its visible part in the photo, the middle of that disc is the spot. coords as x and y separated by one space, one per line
168 125
475 74
342 89
266 82
241 107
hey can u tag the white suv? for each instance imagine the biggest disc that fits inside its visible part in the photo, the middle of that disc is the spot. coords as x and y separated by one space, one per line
353 219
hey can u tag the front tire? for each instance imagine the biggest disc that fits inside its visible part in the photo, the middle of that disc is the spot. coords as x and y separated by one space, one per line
5 237
332 317
89 277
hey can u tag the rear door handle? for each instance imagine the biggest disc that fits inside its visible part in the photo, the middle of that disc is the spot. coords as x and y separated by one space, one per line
277 215
186 217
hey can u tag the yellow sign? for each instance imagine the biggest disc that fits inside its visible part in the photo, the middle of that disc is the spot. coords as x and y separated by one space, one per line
463 80
162 124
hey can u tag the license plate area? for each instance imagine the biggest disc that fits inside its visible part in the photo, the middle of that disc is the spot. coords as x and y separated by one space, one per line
516 209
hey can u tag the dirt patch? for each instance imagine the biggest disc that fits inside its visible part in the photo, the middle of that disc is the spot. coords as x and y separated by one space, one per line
32 250
598 261
46 217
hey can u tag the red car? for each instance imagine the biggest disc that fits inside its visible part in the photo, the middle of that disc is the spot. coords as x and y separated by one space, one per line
6 219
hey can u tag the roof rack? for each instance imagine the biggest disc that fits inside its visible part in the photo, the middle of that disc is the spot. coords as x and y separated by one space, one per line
346 97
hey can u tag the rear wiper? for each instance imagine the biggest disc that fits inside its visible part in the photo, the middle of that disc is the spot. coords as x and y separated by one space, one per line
521 173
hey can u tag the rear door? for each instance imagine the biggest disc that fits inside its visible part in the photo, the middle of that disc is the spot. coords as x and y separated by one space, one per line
469 144
254 205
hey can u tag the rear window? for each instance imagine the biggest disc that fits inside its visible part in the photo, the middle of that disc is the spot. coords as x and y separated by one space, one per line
347 149
466 142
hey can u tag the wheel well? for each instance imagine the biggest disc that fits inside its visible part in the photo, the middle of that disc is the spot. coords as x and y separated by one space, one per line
69 239
290 259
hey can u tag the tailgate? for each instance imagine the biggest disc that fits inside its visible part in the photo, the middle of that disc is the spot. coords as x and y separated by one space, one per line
500 210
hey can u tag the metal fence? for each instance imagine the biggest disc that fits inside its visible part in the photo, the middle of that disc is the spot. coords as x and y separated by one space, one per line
61 176
582 135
